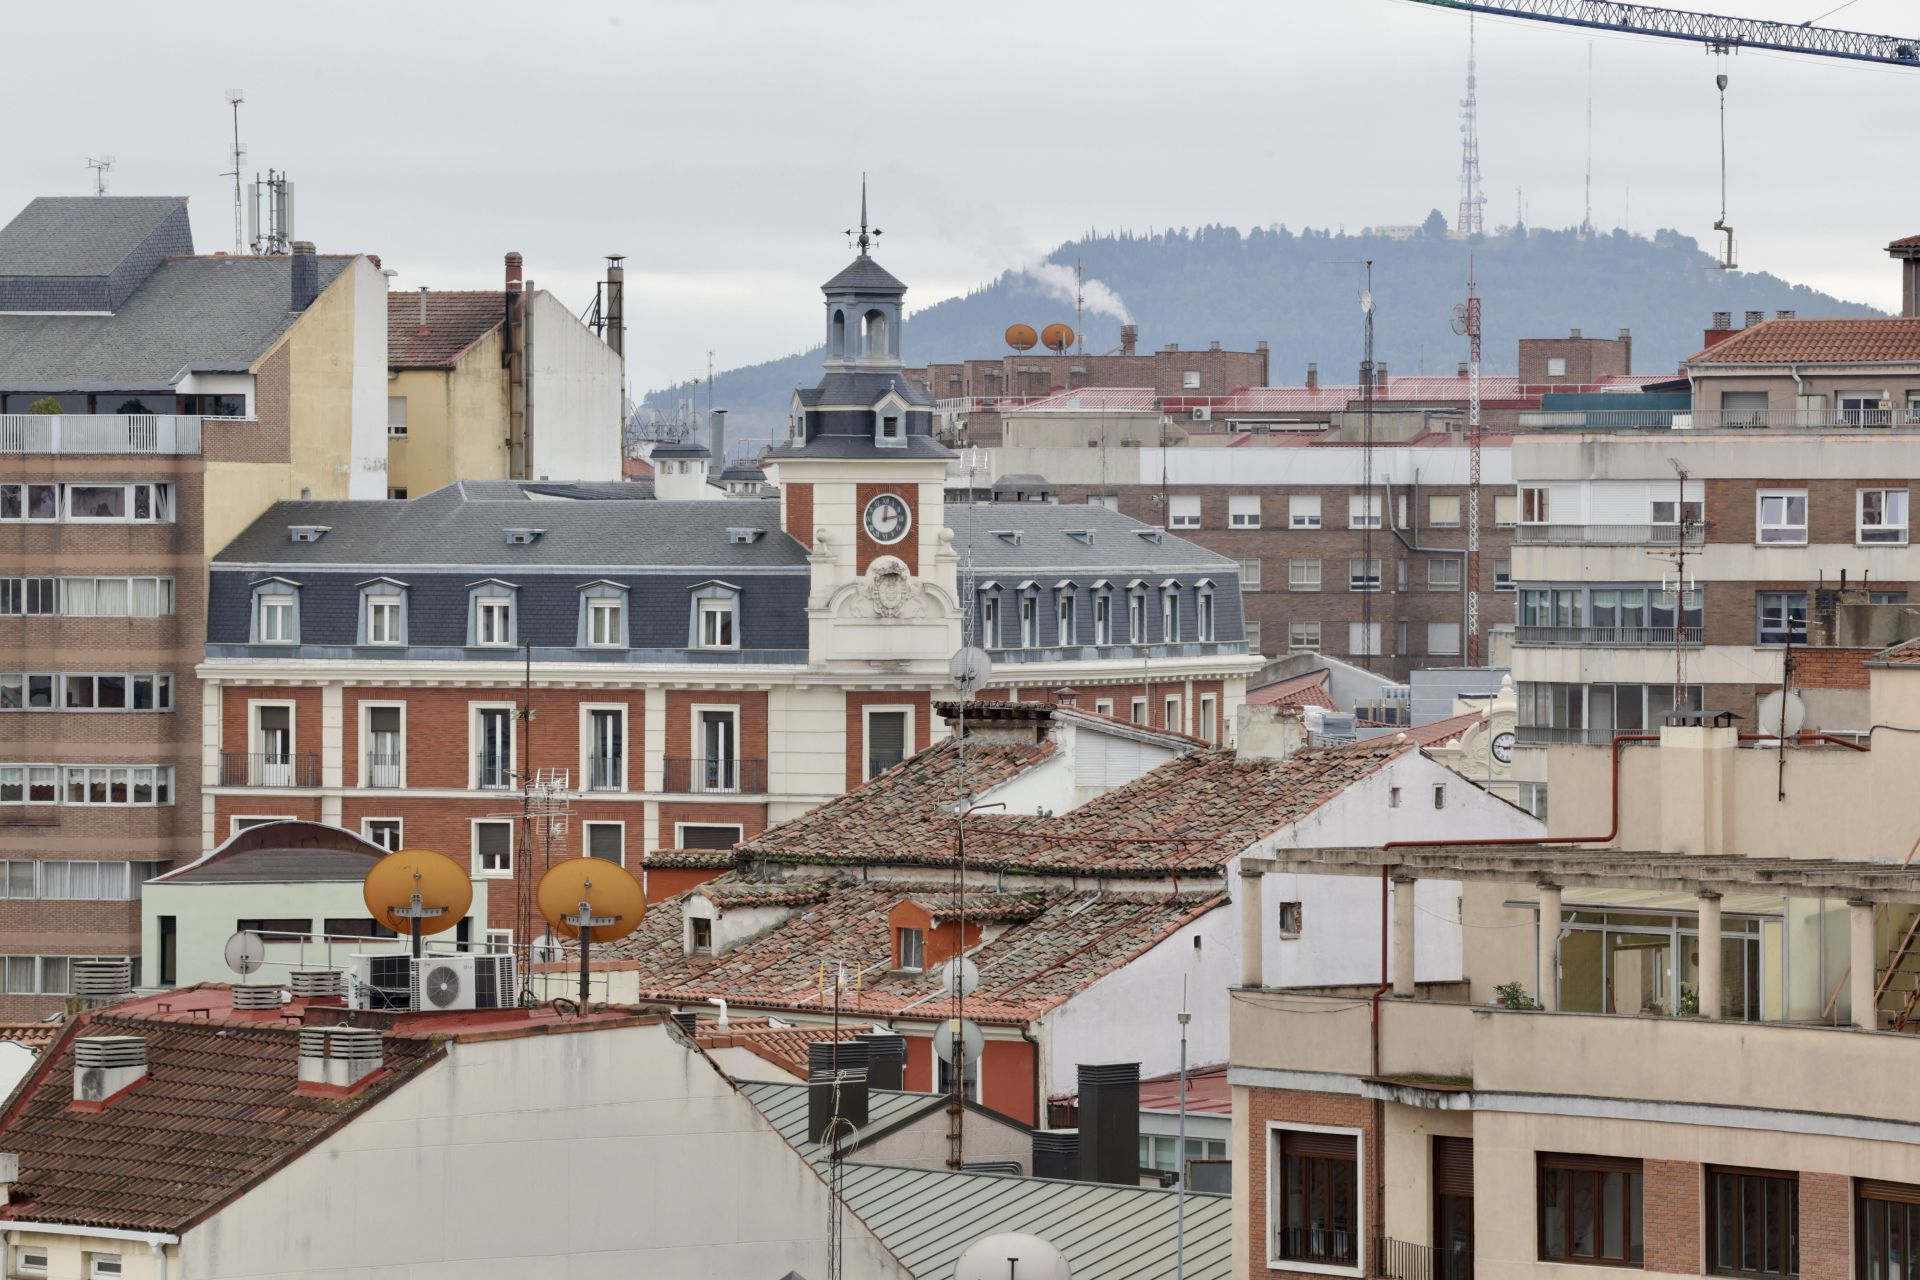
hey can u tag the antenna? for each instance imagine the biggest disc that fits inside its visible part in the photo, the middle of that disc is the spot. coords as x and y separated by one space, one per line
234 99
99 165
1682 531
1586 221
1726 262
1466 321
1079 304
1471 219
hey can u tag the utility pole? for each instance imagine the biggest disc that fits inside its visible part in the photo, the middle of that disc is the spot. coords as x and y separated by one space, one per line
1369 644
234 99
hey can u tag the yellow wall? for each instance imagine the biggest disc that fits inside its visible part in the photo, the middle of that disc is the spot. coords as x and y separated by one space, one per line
456 422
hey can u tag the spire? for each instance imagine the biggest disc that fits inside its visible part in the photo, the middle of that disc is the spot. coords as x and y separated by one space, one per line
865 238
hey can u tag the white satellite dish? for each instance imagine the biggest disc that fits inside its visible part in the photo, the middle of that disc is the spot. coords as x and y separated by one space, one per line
962 969
548 949
246 951
969 670
971 1041
1021 1257
1766 714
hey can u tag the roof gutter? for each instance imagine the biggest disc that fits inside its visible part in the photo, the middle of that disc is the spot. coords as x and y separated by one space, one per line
103 1233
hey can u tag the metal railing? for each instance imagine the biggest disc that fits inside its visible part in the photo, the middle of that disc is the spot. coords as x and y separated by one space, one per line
269 769
384 769
1548 735
1719 420
607 773
703 775
879 762
492 772
1626 535
1608 637
1321 1245
1398 1260
163 433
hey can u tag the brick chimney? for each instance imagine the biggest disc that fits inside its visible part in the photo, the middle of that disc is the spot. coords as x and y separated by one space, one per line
1626 340
306 275
1719 329
513 273
1906 252
1313 377
1129 338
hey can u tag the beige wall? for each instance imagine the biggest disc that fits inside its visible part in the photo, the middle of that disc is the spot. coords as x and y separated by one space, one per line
71 1257
456 422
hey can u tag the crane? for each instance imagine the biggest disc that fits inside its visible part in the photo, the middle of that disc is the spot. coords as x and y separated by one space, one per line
1714 30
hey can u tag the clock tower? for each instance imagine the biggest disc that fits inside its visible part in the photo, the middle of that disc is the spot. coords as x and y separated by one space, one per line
862 484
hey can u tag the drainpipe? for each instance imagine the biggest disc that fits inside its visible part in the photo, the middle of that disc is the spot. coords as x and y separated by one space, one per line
1413 523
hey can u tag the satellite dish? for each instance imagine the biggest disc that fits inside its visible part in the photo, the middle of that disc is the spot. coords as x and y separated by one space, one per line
246 951
1021 1257
1366 300
1766 714
440 881
608 888
547 949
1021 337
1057 337
971 1041
969 670
962 969
1459 320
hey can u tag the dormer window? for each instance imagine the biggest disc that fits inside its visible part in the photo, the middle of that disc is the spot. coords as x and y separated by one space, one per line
1064 602
716 622
383 612
1169 611
276 612
989 634
1136 613
603 616
1029 615
1204 599
700 935
910 948
1102 614
490 615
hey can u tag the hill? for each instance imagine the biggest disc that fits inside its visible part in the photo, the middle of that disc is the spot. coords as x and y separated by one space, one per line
1300 292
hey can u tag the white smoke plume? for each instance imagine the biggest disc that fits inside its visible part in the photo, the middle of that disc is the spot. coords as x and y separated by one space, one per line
987 231
1057 279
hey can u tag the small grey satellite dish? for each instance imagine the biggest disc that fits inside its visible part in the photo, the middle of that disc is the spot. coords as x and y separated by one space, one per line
246 951
965 970
1767 714
969 670
971 1041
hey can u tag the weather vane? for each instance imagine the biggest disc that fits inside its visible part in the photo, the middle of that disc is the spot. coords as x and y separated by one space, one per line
866 238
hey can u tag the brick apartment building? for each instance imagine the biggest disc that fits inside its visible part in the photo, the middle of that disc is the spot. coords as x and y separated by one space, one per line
191 391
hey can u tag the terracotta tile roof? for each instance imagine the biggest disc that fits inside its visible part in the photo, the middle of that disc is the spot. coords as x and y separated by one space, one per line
1433 734
1078 937
943 907
1905 654
1851 341
34 1035
1208 1093
689 859
783 1045
1906 242
216 1114
1309 690
778 893
455 321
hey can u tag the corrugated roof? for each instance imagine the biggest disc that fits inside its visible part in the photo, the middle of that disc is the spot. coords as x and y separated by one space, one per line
456 319
80 235
1878 339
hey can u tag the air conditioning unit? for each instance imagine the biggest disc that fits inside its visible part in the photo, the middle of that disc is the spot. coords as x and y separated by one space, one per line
494 985
1202 413
443 982
380 981
462 981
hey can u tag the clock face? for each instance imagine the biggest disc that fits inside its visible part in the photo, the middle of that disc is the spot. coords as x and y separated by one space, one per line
1503 747
888 518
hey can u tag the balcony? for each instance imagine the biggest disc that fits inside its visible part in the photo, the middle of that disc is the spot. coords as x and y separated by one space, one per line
124 433
1609 637
607 773
1550 735
492 772
1400 1260
385 769
1806 420
1605 535
299 769
709 776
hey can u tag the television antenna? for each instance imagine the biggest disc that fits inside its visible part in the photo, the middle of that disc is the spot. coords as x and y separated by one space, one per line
99 165
1466 323
591 900
234 98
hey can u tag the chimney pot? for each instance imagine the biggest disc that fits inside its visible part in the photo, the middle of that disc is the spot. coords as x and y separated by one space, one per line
1380 374
1462 370
104 980
717 438
886 1060
256 999
1066 697
338 1058
104 1067
1260 345
1755 317
1722 320
1129 338
513 270
1626 334
1313 377
1574 334
1783 315
306 275
1214 345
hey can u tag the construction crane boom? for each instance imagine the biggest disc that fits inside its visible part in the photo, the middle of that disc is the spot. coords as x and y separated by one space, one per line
1712 29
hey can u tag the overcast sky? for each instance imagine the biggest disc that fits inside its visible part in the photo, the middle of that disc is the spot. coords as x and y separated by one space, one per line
719 143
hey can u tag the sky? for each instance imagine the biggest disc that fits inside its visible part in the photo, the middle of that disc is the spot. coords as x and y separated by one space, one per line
719 144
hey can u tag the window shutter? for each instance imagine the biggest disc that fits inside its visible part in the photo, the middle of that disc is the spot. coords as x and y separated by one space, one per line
1897 1192
1453 1166
887 735
1329 1146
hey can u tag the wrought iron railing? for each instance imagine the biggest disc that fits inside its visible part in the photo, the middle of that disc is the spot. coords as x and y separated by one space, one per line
607 773
383 769
269 769
714 775
1608 637
1398 1260
492 772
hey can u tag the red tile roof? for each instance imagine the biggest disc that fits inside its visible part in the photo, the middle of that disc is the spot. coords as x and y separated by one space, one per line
1851 341
1905 654
1208 1093
1906 242
689 859
1309 690
784 1045
455 321
1433 734
34 1035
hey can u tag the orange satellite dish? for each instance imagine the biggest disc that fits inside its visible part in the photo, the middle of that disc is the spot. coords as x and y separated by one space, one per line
440 881
608 888
1021 337
1057 337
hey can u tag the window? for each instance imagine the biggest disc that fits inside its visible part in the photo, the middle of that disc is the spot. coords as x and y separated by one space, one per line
1136 617
384 832
1533 505
31 1260
492 847
1443 513
912 949
1137 711
716 616
1253 636
606 840
1067 632
606 748
1316 1199
889 430
606 623
105 1266
1363 639
1169 614
1439 795
1590 1209
279 929
1782 516
1861 409
28 597
1443 575
1203 600
1190 380
493 747
383 620
1363 575
1161 1151
1504 507
970 1079
1250 575
1103 617
1303 637
1303 511
1363 511
139 502
1443 638
1883 515
1208 726
397 492
990 620
137 785
1556 366
1243 511
29 501
1103 706
1886 1218
1170 714
701 835
1753 1223
1291 915
700 933
1183 511
1674 511
493 620
1783 617
386 736
886 740
278 617
354 927
396 415
1029 620
1502 573
1303 575
500 941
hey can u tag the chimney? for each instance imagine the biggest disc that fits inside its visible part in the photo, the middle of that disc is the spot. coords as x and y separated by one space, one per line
1267 733
1066 697
1573 334
1380 377
1110 1123
318 984
1460 370
1722 320
615 313
335 1060
1626 340
1129 338
306 275
1313 377
103 981
1784 315
717 439
830 1098
1056 1154
266 999
1755 317
886 1060
9 1174
1718 331
824 1057
1214 345
422 331
513 272
104 1067
1907 253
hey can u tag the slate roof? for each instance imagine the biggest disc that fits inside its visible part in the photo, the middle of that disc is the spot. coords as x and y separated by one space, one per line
80 235
191 313
1309 690
928 1217
1117 551
866 275
216 1114
1891 339
462 525
456 320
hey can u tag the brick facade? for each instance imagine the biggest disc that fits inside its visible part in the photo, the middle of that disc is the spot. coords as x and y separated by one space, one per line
1587 359
857 704
1826 1226
1284 1106
798 501
1670 1191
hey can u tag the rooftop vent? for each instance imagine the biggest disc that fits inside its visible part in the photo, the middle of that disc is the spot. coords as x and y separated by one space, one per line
1783 315
308 532
1056 1154
318 984
886 1059
335 1059
1755 317
255 999
104 980
742 536
523 537
104 1067
1151 535
1008 536
1722 320
1081 535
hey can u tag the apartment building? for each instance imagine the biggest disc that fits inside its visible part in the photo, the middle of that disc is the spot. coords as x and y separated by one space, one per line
498 385
1789 479
1341 550
1679 1045
152 402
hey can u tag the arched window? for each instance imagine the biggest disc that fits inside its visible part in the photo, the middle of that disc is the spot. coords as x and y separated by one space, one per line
837 336
876 334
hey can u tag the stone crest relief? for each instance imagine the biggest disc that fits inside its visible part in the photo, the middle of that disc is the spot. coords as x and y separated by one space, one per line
888 591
